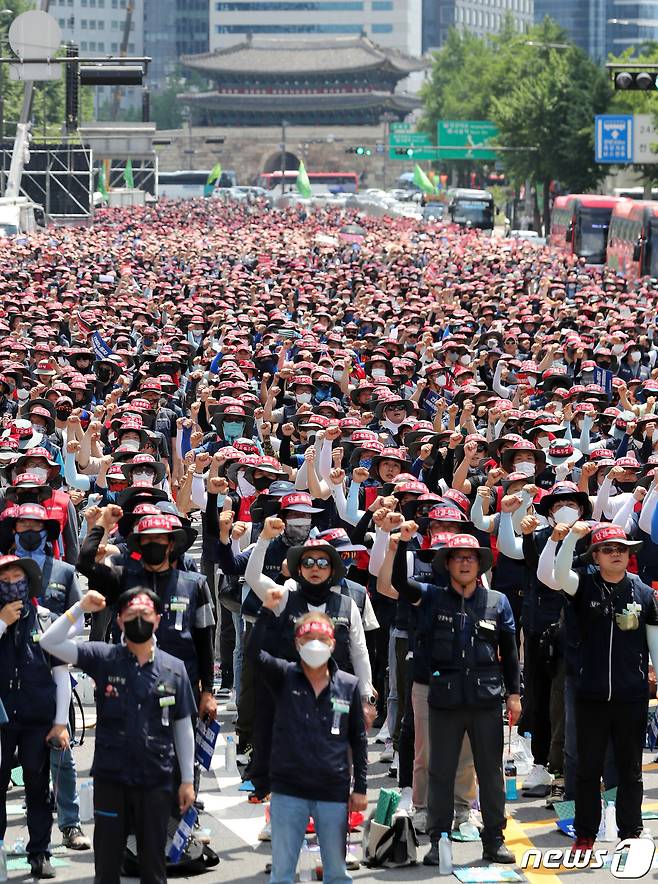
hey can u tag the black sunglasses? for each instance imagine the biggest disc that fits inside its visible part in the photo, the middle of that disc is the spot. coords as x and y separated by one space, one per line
310 562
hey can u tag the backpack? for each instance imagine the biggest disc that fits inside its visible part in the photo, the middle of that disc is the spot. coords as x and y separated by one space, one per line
390 847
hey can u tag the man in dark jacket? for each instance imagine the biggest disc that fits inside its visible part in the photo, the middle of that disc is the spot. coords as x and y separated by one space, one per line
318 722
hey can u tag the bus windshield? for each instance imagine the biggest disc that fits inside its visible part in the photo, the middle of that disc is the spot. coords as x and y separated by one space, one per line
593 234
478 212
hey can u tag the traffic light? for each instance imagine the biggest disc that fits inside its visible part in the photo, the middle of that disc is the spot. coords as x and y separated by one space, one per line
404 151
111 75
636 81
360 150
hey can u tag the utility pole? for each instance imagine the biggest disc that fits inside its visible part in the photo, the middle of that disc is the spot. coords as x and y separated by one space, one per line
284 123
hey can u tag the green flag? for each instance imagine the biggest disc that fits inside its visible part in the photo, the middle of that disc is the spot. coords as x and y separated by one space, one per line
213 176
128 175
102 186
422 181
303 184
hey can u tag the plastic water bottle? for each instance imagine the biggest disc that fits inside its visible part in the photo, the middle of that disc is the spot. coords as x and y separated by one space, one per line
86 799
19 846
600 835
230 763
3 862
610 822
511 793
445 855
305 862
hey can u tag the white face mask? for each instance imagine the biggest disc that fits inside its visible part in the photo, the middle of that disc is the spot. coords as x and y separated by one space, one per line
617 349
635 356
565 515
453 357
40 472
131 444
492 342
531 380
37 429
528 469
378 373
465 360
314 653
246 489
339 375
143 476
303 398
543 441
390 425
441 380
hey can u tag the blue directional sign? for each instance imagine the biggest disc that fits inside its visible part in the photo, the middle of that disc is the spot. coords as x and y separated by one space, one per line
613 138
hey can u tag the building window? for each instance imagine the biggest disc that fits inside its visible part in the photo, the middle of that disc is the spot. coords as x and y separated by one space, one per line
290 29
292 6
83 24
115 47
382 29
92 46
382 5
83 46
92 24
101 25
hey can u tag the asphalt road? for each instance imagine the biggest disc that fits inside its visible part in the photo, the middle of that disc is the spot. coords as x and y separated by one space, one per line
233 825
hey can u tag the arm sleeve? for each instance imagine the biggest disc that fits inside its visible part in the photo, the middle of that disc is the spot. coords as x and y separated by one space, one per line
184 743
199 496
359 653
601 501
253 574
205 651
378 551
546 565
481 522
354 514
103 577
56 639
408 589
341 501
272 668
508 543
522 512
62 681
73 478
648 512
510 659
323 462
70 536
565 577
624 515
301 479
584 442
652 641
359 744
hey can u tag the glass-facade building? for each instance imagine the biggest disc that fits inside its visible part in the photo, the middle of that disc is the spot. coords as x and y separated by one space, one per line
480 17
173 28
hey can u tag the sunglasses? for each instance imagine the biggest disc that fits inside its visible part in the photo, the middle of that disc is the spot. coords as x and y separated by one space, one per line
311 562
610 549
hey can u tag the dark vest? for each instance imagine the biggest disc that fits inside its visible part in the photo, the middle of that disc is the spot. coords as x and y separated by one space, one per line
27 689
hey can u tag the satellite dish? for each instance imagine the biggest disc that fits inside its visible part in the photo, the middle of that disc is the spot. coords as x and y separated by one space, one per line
35 35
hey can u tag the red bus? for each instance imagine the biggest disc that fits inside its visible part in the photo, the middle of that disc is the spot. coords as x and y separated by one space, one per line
633 238
579 225
321 182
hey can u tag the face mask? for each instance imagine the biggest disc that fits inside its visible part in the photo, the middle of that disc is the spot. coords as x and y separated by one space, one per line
378 373
138 630
245 489
491 343
531 381
465 360
338 376
233 429
297 531
365 462
617 349
30 540
565 515
37 429
543 441
40 472
391 426
143 476
453 357
262 483
314 653
131 444
441 380
303 398
635 356
528 469
63 413
154 553
14 592
322 395
625 486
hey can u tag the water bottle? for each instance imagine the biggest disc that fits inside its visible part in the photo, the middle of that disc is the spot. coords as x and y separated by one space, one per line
304 865
610 822
86 799
230 763
445 855
511 793
3 862
600 835
19 846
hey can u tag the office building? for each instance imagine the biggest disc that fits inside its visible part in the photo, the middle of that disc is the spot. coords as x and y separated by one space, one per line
480 17
393 24
173 28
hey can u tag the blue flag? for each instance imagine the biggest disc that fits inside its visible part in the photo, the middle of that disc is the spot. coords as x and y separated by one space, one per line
101 349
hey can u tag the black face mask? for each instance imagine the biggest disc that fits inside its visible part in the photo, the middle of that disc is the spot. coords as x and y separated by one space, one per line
30 539
139 630
63 413
261 483
423 523
315 593
153 553
625 486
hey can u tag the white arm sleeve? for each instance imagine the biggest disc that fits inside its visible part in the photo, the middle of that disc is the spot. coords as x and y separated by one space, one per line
359 652
301 481
62 681
584 441
546 565
341 501
481 522
323 462
652 641
508 543
354 514
624 515
253 574
565 577
56 640
198 495
601 502
378 551
648 509
184 743
519 515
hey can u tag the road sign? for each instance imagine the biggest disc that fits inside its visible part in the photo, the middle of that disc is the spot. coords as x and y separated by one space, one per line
645 136
403 135
613 138
35 35
466 139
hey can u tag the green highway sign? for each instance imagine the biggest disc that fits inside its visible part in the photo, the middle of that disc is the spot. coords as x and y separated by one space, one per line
465 139
407 144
